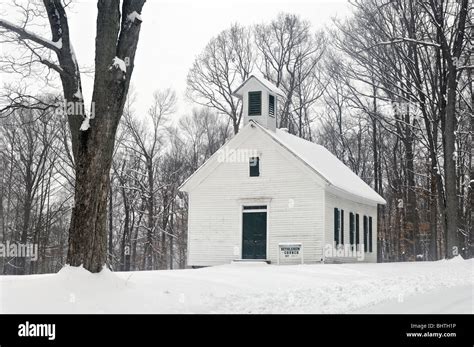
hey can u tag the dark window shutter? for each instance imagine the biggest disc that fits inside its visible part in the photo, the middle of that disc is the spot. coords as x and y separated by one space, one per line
351 228
357 229
370 234
271 105
336 225
254 166
366 231
255 103
342 227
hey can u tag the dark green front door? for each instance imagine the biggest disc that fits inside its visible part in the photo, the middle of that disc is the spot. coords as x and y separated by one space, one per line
254 243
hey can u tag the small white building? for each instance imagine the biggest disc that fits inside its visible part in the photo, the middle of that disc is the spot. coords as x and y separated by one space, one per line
270 195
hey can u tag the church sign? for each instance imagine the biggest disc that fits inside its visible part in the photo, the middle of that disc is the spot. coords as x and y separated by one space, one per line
290 251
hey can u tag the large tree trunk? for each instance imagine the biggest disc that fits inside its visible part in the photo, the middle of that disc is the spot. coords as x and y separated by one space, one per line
470 195
452 246
111 226
88 232
412 218
449 137
117 38
451 54
377 176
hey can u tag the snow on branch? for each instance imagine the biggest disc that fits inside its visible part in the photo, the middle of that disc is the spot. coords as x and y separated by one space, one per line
119 64
466 67
58 44
85 124
134 16
406 39
28 35
78 95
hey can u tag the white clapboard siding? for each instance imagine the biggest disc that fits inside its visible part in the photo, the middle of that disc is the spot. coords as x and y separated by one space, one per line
300 183
339 201
293 193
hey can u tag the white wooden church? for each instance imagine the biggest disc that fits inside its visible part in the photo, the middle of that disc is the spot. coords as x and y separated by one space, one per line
271 196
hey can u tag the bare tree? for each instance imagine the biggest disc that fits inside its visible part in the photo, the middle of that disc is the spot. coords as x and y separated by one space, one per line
401 55
224 64
146 140
289 56
92 135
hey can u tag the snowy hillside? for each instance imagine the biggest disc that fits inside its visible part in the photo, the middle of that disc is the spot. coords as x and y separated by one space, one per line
424 287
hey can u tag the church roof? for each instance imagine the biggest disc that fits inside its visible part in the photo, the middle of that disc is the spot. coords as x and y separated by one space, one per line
266 83
335 172
337 175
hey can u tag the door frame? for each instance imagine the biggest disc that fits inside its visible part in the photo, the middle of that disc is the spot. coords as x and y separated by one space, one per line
253 202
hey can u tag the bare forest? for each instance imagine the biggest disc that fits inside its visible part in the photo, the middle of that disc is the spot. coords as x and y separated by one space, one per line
388 90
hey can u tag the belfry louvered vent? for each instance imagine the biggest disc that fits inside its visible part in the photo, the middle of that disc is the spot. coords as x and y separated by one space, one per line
255 103
271 105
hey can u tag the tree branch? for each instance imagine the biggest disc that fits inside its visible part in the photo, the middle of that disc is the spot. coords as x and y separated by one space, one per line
27 35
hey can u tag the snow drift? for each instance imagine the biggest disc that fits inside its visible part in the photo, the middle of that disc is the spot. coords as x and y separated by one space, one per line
248 288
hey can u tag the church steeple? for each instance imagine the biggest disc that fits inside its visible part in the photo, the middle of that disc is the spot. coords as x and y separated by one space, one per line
260 101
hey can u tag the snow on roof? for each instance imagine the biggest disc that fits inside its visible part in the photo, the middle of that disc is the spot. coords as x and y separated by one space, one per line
326 164
266 83
331 169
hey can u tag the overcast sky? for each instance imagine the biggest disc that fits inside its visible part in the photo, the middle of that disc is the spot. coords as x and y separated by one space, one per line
175 31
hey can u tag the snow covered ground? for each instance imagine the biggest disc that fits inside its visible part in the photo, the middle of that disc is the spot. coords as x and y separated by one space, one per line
423 287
